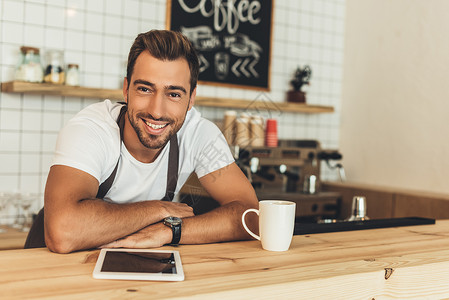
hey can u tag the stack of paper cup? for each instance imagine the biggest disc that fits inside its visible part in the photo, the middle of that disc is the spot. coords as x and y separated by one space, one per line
229 126
257 131
271 133
242 135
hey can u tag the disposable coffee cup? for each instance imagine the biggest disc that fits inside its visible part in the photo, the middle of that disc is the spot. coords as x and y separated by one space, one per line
229 129
242 137
276 224
257 132
271 133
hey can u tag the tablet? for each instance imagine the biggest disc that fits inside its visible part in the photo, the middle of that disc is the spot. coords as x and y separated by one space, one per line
139 264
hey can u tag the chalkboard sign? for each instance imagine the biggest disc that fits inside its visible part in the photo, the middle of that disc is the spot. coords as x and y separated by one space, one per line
232 37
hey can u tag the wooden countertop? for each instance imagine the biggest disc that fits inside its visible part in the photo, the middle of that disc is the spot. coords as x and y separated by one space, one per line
12 238
400 262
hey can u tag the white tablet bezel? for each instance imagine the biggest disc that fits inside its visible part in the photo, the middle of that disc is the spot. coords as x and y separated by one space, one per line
98 274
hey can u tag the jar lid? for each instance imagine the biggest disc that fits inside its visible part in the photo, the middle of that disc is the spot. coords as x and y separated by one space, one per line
73 66
25 49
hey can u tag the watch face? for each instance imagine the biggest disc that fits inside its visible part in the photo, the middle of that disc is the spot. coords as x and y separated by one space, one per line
173 220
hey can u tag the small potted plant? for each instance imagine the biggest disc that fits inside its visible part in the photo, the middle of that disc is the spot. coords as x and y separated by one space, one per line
300 78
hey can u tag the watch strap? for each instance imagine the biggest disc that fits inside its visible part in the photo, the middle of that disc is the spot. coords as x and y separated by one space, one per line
176 234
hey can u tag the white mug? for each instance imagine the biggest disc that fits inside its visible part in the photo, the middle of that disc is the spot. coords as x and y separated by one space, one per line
276 224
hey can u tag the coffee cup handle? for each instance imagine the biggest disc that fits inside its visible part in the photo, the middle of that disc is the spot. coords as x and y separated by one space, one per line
246 227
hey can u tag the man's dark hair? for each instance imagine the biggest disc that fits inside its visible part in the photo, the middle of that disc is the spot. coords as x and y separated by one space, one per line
164 45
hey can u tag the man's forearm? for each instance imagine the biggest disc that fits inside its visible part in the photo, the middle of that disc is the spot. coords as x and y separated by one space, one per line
94 222
221 224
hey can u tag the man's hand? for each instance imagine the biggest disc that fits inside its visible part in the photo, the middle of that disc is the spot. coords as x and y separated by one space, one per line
152 236
175 209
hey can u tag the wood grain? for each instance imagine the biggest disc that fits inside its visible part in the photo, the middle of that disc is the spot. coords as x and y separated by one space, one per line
379 201
262 105
61 90
12 238
389 202
343 265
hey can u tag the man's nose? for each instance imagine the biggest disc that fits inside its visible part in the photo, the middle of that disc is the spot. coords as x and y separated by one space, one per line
156 106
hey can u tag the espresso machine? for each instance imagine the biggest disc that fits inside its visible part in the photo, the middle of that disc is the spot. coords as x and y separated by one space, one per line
291 172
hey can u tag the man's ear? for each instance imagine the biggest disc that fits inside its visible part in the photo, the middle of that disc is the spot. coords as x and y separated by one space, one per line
192 99
125 89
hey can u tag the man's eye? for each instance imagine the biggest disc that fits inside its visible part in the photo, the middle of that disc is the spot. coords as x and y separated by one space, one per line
174 95
143 89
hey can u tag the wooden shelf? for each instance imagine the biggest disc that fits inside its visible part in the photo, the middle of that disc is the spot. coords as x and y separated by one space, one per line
60 90
262 105
116 94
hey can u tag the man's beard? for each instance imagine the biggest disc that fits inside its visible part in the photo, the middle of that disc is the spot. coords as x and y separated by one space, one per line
149 140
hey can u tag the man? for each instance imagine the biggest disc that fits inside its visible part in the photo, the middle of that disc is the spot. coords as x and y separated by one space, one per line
159 90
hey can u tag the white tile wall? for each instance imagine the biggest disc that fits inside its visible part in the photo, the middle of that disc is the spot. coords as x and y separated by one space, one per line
97 36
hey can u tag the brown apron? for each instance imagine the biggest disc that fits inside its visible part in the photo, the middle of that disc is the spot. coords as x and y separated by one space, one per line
36 237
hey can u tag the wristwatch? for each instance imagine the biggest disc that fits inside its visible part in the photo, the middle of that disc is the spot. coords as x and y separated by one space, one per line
175 224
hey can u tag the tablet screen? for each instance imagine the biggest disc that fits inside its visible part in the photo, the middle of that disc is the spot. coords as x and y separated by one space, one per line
139 262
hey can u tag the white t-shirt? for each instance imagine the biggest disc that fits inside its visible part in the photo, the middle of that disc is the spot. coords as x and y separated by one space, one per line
91 143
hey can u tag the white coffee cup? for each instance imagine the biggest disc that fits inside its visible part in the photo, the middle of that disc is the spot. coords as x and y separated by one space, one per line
276 224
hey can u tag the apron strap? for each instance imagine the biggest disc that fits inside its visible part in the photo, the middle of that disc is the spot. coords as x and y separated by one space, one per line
173 165
106 185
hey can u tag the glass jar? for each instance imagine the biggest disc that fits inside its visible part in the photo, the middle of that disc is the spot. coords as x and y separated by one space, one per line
72 77
54 72
29 67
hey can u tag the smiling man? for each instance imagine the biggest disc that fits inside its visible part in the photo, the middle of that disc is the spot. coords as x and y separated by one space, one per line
117 167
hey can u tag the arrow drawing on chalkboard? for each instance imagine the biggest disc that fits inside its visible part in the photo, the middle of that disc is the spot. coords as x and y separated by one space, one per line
251 68
235 66
204 64
242 68
239 65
